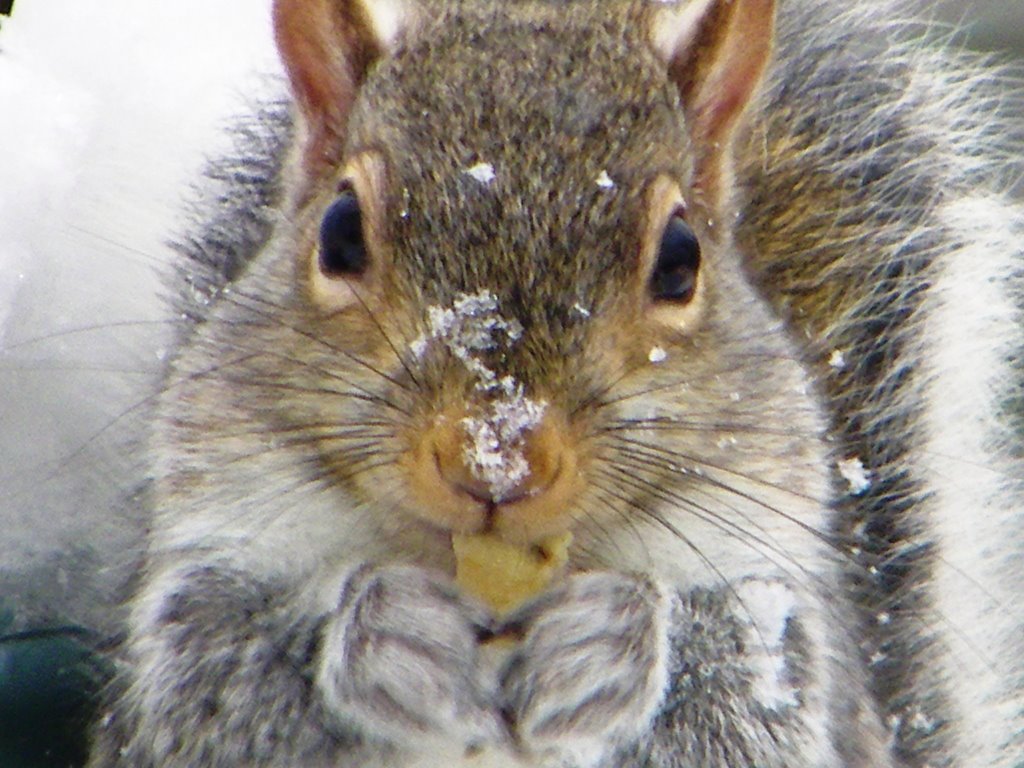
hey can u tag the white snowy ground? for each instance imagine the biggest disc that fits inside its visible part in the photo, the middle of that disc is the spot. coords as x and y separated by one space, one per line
107 111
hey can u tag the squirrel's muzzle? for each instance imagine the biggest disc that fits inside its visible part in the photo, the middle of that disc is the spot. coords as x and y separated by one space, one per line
507 466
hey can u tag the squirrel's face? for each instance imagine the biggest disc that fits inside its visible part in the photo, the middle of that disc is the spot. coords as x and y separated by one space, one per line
515 304
504 246
514 275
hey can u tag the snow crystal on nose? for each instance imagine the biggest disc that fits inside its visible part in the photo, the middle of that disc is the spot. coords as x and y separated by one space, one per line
494 452
473 325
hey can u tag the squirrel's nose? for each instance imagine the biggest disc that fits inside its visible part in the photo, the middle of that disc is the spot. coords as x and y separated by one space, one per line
514 470
495 462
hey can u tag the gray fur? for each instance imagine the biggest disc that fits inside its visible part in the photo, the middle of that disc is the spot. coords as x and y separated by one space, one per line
399 660
234 210
605 679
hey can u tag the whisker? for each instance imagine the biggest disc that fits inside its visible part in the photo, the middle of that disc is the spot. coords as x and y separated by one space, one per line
82 329
230 296
666 424
68 368
284 386
383 333
674 457
752 357
868 568
722 524
366 393
715 570
135 407
642 463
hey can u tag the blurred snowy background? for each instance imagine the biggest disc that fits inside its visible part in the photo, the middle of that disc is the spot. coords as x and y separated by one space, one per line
107 111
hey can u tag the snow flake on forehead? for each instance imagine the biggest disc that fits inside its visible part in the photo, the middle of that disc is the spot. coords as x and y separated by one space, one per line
494 450
482 172
604 181
472 324
857 477
657 355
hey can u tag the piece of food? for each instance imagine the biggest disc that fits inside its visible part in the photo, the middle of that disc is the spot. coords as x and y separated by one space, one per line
506 575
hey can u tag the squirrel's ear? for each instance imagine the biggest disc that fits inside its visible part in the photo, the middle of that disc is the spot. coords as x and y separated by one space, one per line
716 51
327 47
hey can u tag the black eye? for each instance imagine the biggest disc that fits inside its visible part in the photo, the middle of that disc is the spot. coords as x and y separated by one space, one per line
675 271
342 249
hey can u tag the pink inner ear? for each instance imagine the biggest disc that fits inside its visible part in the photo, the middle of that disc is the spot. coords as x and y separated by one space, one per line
717 66
734 73
326 47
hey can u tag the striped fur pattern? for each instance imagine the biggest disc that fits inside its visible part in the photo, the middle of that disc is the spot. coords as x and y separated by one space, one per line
902 260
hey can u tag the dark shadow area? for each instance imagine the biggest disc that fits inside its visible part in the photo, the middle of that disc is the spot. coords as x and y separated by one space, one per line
49 680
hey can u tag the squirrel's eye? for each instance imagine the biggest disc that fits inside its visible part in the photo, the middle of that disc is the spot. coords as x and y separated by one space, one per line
675 272
342 249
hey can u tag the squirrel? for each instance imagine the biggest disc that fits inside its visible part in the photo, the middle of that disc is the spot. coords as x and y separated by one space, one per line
728 292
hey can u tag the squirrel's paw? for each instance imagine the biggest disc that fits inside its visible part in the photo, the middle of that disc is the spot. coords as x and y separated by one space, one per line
591 670
399 661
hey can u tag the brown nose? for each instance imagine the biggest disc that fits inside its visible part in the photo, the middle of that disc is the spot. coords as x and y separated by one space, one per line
489 469
497 463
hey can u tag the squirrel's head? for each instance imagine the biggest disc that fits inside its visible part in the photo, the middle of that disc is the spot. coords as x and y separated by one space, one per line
511 252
